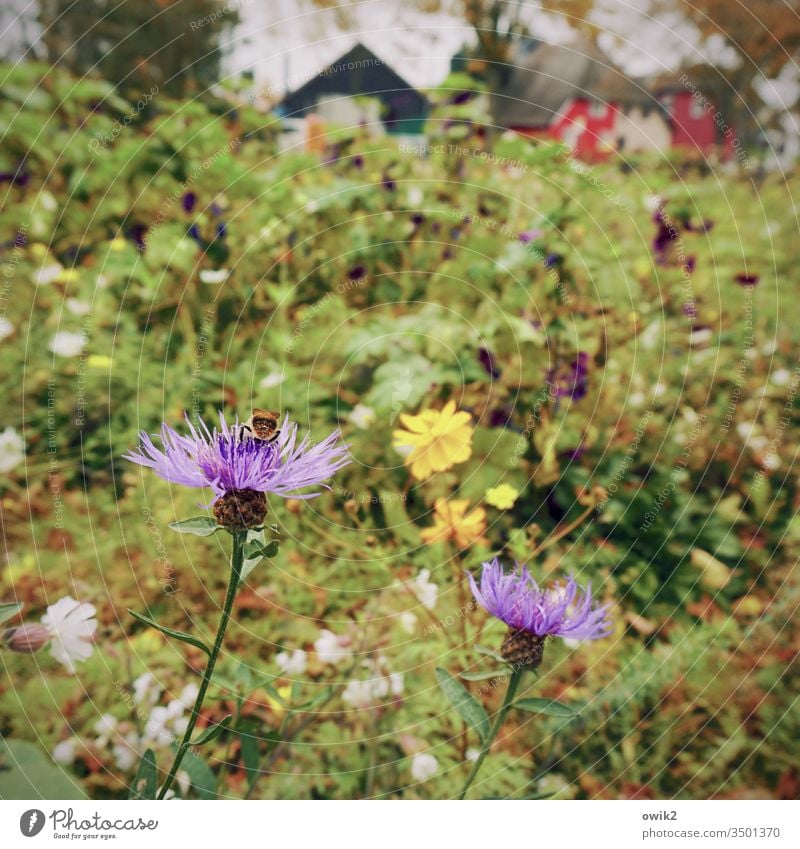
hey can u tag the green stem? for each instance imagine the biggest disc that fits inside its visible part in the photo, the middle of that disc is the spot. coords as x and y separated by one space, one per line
237 561
505 707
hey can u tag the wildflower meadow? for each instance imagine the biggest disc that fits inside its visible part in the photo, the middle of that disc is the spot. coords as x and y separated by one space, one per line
369 470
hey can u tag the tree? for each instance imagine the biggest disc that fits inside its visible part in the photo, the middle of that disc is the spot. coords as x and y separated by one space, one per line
138 44
764 35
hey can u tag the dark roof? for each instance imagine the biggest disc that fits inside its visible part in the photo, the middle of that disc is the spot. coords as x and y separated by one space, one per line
359 72
545 78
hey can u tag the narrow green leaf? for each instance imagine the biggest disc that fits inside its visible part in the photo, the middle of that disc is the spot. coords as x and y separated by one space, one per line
319 699
482 676
171 632
145 784
9 610
213 731
545 706
464 702
251 754
490 653
199 526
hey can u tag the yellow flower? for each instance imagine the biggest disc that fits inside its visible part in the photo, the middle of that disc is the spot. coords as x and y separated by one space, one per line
438 439
451 521
118 244
278 706
502 497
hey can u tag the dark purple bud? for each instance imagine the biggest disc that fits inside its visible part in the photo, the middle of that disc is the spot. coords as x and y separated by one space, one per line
189 200
486 359
744 279
357 272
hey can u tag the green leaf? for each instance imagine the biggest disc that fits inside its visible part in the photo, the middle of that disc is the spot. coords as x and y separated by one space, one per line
9 609
199 526
549 707
490 653
318 700
464 702
171 632
201 776
26 772
251 754
213 731
259 549
145 785
482 676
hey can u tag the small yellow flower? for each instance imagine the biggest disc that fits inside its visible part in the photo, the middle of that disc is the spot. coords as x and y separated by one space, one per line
278 707
118 244
451 521
502 497
98 361
438 439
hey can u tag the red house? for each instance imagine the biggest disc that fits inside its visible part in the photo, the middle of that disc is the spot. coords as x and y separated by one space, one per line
694 119
575 94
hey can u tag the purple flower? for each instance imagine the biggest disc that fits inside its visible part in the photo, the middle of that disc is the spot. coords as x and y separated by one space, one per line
527 236
189 199
226 462
486 359
571 380
744 279
561 610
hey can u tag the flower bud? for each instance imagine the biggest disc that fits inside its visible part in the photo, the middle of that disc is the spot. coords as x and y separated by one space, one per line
26 639
240 509
522 649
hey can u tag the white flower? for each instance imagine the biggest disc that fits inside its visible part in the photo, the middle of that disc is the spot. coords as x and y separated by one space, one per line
653 202
125 754
77 307
65 751
396 683
156 730
188 695
12 449
67 344
145 690
363 694
6 328
105 728
72 626
423 766
292 664
208 275
781 377
362 416
48 274
330 648
472 754
701 337
425 591
408 622
274 378
771 461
